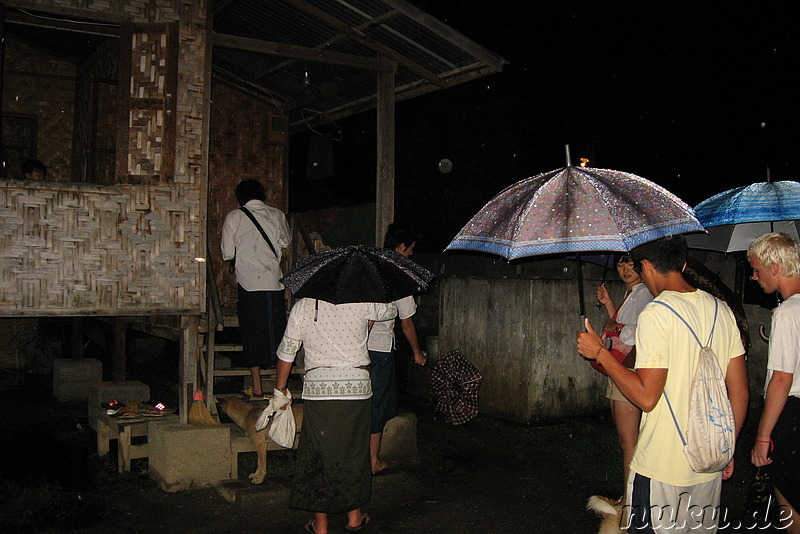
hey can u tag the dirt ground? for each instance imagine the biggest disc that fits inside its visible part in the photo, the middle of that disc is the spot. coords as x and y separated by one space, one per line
485 476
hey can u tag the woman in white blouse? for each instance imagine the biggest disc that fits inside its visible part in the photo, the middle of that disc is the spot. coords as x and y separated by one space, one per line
622 324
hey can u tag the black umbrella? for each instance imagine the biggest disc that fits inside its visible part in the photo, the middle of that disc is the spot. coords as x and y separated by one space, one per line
357 273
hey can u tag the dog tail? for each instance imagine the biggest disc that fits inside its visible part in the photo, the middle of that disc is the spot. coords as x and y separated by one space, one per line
600 505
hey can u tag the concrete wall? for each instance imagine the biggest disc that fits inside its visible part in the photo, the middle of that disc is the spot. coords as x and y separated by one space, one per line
516 323
520 334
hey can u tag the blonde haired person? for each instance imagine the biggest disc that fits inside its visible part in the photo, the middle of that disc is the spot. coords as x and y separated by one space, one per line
775 259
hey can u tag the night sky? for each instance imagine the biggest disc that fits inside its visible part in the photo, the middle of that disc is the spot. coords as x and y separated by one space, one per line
697 100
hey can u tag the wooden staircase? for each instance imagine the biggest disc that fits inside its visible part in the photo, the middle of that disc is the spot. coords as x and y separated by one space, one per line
216 320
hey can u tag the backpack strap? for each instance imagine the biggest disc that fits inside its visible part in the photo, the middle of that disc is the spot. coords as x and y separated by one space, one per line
260 229
711 335
713 325
674 419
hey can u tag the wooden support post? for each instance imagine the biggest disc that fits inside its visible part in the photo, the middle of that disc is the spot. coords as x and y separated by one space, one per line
118 370
187 373
76 337
384 189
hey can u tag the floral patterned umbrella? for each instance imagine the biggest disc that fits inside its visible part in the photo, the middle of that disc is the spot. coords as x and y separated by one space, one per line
575 210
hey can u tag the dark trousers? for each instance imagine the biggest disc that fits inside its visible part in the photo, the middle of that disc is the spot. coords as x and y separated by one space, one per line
262 320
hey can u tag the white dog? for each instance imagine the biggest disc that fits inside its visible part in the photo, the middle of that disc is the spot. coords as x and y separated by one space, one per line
611 512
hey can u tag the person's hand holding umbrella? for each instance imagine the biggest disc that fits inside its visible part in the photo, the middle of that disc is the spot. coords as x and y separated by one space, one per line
590 346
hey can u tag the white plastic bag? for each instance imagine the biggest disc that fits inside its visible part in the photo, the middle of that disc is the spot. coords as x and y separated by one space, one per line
283 428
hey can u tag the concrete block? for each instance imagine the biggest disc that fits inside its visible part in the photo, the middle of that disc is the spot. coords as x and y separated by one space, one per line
125 392
399 443
72 379
263 496
184 456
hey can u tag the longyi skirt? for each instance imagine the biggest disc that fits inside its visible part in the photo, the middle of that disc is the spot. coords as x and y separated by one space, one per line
332 470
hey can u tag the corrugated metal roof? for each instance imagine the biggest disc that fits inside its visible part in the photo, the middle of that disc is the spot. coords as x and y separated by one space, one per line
427 54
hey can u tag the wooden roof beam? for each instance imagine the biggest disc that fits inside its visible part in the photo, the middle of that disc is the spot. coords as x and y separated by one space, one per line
89 28
448 34
360 36
302 53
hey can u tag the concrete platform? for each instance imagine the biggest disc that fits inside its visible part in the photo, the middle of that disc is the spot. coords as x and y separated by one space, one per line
274 491
399 443
185 456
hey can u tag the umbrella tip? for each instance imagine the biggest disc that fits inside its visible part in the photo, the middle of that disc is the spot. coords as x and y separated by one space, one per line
569 160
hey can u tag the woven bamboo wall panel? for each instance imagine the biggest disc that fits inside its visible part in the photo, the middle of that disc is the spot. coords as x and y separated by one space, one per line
126 249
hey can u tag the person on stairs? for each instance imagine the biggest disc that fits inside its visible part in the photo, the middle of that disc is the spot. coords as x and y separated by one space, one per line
253 236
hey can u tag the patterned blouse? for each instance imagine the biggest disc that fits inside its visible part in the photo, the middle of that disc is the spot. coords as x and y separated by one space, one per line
335 341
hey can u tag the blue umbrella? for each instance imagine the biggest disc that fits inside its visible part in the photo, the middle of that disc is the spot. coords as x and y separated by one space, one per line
734 218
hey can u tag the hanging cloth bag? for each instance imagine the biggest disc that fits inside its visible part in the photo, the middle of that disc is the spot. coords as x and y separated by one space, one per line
283 428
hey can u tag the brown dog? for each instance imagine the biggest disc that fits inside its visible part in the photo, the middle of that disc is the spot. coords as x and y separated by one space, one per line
245 415
610 511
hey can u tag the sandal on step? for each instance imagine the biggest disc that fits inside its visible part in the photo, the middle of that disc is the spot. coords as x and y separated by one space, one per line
253 397
364 523
310 527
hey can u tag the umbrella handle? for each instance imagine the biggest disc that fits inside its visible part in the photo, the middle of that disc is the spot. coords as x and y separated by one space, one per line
603 280
580 285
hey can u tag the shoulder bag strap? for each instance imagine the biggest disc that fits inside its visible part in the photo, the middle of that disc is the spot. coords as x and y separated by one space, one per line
260 229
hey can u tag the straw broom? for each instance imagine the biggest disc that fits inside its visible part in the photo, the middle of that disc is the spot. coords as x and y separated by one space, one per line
198 412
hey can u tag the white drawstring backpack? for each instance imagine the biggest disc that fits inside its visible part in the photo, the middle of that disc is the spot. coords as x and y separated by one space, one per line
710 437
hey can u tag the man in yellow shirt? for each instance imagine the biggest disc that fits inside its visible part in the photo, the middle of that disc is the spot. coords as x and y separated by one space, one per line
663 491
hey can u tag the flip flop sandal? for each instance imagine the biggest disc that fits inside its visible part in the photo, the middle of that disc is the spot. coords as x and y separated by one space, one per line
253 397
382 466
364 524
309 527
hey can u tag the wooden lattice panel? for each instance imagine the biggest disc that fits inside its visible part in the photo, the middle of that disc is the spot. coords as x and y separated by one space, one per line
149 74
145 147
118 250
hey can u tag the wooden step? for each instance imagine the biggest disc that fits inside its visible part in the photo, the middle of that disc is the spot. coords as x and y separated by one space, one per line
224 347
244 371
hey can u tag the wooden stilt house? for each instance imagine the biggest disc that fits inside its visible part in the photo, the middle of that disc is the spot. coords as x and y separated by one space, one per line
148 113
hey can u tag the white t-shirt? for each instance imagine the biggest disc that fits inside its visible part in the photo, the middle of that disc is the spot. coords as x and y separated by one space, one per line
784 342
335 342
381 337
257 267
